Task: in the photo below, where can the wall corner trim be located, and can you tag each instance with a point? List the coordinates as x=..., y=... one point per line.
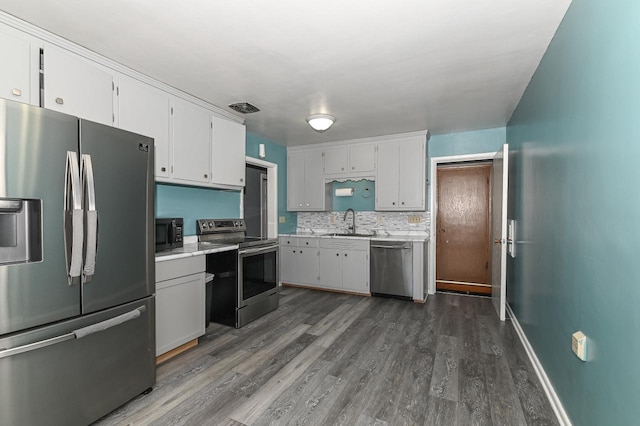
x=556, y=404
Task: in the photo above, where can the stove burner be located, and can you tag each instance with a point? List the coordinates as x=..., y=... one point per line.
x=228, y=231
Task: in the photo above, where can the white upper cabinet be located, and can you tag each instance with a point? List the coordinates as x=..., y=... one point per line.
x=336, y=160
x=228, y=150
x=144, y=109
x=306, y=189
x=191, y=142
x=349, y=161
x=76, y=86
x=15, y=71
x=401, y=174
x=362, y=158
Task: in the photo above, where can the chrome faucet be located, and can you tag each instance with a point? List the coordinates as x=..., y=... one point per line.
x=352, y=228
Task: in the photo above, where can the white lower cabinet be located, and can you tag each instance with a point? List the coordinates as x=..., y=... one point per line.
x=180, y=302
x=299, y=260
x=344, y=264
x=331, y=263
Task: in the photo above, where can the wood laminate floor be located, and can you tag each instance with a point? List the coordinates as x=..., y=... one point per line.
x=332, y=359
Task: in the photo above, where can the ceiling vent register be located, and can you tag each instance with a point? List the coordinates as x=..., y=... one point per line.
x=244, y=107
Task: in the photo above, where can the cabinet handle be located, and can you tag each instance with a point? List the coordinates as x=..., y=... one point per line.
x=307, y=242
x=307, y=204
x=300, y=205
x=337, y=254
x=342, y=168
x=352, y=167
x=16, y=92
x=294, y=251
x=345, y=255
x=164, y=169
x=403, y=203
x=59, y=101
x=206, y=176
x=394, y=203
x=241, y=180
x=300, y=251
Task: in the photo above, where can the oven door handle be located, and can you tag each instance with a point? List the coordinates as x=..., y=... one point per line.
x=257, y=250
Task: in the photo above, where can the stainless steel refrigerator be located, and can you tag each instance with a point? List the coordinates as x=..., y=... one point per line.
x=77, y=277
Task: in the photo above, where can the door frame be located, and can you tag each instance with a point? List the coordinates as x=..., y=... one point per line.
x=433, y=198
x=272, y=195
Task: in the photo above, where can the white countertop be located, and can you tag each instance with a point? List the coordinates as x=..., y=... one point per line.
x=417, y=236
x=194, y=249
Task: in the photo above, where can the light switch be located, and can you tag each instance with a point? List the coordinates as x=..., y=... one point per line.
x=282, y=219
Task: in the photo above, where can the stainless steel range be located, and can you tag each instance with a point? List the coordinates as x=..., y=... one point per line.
x=255, y=291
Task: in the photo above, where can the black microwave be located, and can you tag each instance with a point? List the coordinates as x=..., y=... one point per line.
x=169, y=232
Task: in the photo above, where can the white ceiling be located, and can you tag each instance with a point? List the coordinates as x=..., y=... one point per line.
x=379, y=66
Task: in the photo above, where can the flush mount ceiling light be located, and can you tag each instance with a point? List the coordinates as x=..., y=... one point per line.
x=320, y=122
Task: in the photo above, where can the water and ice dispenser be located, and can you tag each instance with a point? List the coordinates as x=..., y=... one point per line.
x=20, y=230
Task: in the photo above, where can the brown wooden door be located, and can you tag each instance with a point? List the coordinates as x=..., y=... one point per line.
x=463, y=234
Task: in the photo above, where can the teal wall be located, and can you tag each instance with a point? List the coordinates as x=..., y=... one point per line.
x=474, y=142
x=193, y=203
x=363, y=200
x=275, y=153
x=463, y=143
x=575, y=144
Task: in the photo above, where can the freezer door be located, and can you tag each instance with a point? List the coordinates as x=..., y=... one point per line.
x=117, y=169
x=34, y=148
x=53, y=376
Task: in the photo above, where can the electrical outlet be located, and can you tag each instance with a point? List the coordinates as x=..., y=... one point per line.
x=579, y=345
x=379, y=219
x=332, y=218
x=282, y=219
x=414, y=218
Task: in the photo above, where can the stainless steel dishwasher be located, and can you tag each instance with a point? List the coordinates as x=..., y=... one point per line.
x=391, y=268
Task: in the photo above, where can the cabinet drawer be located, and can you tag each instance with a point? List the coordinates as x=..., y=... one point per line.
x=308, y=242
x=288, y=241
x=170, y=269
x=344, y=243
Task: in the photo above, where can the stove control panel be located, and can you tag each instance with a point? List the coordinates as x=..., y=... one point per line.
x=218, y=226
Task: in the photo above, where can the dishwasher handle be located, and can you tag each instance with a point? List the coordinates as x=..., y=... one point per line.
x=403, y=247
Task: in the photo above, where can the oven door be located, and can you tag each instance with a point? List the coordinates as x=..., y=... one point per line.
x=257, y=274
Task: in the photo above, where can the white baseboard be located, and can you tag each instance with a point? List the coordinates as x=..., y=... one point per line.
x=556, y=404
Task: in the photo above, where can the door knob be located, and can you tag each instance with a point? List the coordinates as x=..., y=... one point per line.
x=498, y=241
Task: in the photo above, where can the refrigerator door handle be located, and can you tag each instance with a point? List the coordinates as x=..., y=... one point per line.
x=73, y=219
x=76, y=334
x=89, y=189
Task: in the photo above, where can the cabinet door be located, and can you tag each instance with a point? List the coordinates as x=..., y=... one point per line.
x=307, y=265
x=331, y=268
x=15, y=69
x=336, y=161
x=228, y=147
x=287, y=264
x=295, y=180
x=76, y=86
x=412, y=184
x=191, y=142
x=314, y=180
x=362, y=159
x=144, y=109
x=180, y=305
x=387, y=176
x=355, y=271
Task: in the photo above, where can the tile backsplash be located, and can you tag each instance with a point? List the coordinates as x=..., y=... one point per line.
x=366, y=221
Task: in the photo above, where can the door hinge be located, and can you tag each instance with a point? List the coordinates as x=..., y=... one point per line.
x=113, y=86
x=171, y=110
x=113, y=118
x=486, y=265
x=118, y=91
